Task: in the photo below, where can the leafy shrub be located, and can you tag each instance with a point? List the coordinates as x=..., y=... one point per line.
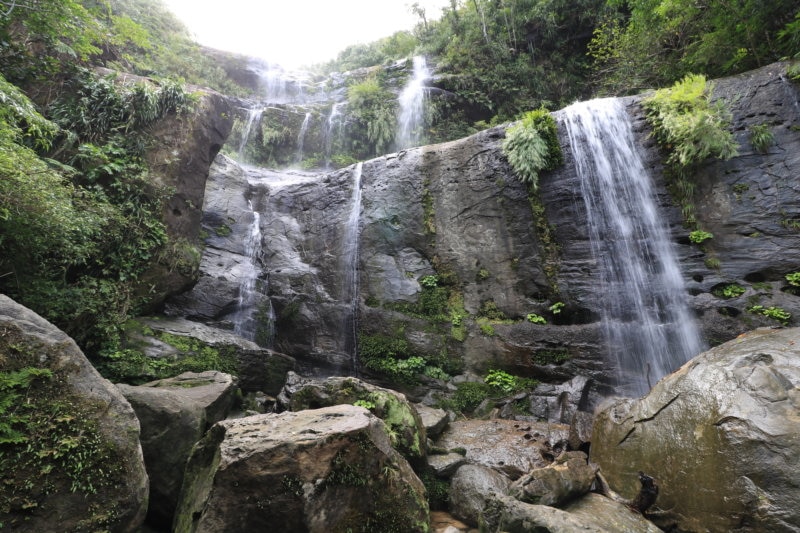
x=531, y=146
x=686, y=123
x=469, y=394
x=761, y=138
x=501, y=381
x=732, y=290
x=429, y=281
x=793, y=279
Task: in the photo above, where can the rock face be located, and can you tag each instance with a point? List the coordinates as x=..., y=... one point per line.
x=569, y=477
x=721, y=436
x=74, y=439
x=186, y=145
x=258, y=369
x=323, y=470
x=455, y=211
x=174, y=414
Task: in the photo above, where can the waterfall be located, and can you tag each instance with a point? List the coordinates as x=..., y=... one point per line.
x=253, y=117
x=649, y=327
x=329, y=131
x=301, y=138
x=246, y=320
x=411, y=116
x=349, y=269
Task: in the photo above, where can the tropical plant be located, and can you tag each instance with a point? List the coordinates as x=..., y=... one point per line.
x=531, y=146
x=761, y=137
x=699, y=236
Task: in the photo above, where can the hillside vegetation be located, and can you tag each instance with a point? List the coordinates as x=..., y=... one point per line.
x=79, y=219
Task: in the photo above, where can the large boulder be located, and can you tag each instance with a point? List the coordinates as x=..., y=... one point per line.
x=70, y=457
x=323, y=470
x=569, y=477
x=174, y=414
x=471, y=488
x=404, y=425
x=721, y=436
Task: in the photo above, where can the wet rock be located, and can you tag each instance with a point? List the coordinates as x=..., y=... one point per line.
x=471, y=487
x=514, y=448
x=445, y=465
x=174, y=414
x=89, y=423
x=405, y=427
x=720, y=436
x=569, y=477
x=318, y=470
x=580, y=430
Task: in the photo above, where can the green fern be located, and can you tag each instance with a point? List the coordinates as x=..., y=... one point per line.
x=531, y=146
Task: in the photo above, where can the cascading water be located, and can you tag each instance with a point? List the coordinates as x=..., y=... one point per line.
x=333, y=121
x=649, y=327
x=411, y=116
x=253, y=117
x=349, y=269
x=245, y=323
x=301, y=138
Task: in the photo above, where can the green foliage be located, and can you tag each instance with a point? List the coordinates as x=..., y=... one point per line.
x=489, y=310
x=556, y=308
x=366, y=404
x=50, y=442
x=372, y=108
x=531, y=146
x=761, y=137
x=699, y=236
x=793, y=278
x=468, y=395
x=645, y=43
x=732, y=290
x=392, y=356
x=775, y=313
x=397, y=46
x=550, y=357
x=687, y=124
x=535, y=319
x=486, y=328
x=430, y=281
x=501, y=382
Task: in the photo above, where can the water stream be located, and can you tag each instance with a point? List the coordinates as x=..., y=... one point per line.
x=349, y=269
x=245, y=319
x=411, y=115
x=334, y=120
x=253, y=118
x=649, y=327
x=301, y=138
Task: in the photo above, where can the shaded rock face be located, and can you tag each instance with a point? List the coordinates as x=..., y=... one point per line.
x=721, y=437
x=45, y=487
x=470, y=489
x=174, y=414
x=567, y=478
x=456, y=211
x=323, y=470
x=258, y=369
x=185, y=146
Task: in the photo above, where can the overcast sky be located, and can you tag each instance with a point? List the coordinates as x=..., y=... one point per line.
x=296, y=32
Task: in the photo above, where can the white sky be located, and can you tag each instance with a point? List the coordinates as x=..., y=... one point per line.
x=296, y=32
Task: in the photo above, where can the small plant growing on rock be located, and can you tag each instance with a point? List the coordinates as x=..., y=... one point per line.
x=732, y=290
x=501, y=381
x=793, y=279
x=699, y=236
x=535, y=319
x=775, y=313
x=531, y=146
x=556, y=307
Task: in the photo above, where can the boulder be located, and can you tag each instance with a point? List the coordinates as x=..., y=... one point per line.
x=592, y=513
x=322, y=470
x=406, y=431
x=434, y=420
x=569, y=477
x=514, y=448
x=71, y=458
x=445, y=465
x=470, y=489
x=721, y=436
x=174, y=414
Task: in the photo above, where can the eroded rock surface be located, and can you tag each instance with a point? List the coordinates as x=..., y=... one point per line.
x=721, y=436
